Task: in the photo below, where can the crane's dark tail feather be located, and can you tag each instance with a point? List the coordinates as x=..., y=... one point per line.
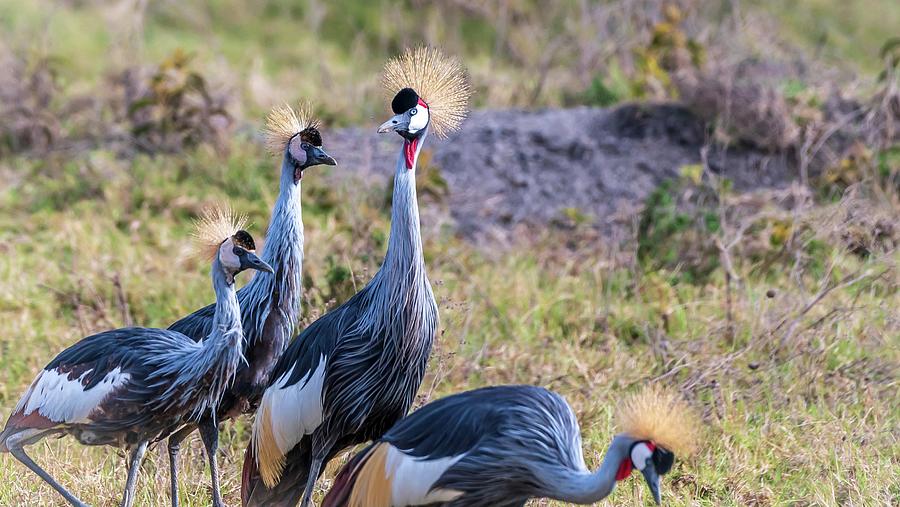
x=288, y=491
x=249, y=474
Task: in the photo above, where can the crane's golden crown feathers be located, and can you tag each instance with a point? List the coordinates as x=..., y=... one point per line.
x=438, y=79
x=662, y=417
x=284, y=122
x=214, y=225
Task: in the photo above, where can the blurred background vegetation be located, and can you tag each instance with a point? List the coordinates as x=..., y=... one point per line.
x=774, y=312
x=520, y=53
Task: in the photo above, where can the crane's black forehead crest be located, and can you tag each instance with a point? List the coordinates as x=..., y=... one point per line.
x=662, y=460
x=311, y=135
x=405, y=100
x=244, y=240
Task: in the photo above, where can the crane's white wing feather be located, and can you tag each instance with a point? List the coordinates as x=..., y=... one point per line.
x=63, y=400
x=412, y=478
x=296, y=410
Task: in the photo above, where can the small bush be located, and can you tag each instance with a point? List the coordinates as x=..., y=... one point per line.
x=168, y=109
x=174, y=108
x=29, y=116
x=675, y=231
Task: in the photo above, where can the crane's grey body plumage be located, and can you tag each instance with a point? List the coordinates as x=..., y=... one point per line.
x=509, y=436
x=270, y=303
x=130, y=387
x=508, y=444
x=270, y=311
x=375, y=348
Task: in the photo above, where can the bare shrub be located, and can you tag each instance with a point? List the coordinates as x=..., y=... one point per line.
x=28, y=90
x=173, y=107
x=860, y=222
x=163, y=109
x=883, y=110
x=741, y=109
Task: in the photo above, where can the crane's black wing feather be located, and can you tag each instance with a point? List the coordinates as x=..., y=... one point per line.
x=97, y=355
x=454, y=425
x=319, y=338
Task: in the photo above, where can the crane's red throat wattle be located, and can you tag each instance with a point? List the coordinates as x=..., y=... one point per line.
x=409, y=149
x=624, y=469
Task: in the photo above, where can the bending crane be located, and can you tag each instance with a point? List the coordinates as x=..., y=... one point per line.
x=501, y=446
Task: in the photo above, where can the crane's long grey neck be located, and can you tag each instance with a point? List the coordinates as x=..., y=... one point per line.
x=405, y=242
x=283, y=250
x=400, y=290
x=587, y=488
x=197, y=375
x=228, y=313
x=223, y=350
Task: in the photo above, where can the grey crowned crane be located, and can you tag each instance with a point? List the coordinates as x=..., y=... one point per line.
x=133, y=386
x=501, y=446
x=270, y=302
x=353, y=373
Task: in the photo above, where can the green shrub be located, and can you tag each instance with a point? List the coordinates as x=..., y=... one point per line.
x=675, y=232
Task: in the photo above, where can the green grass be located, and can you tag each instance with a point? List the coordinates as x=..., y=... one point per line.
x=852, y=31
x=798, y=408
x=812, y=422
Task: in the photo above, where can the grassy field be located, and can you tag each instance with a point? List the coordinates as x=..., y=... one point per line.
x=799, y=407
x=791, y=360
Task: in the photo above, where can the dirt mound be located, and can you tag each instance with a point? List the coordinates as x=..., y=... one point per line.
x=510, y=168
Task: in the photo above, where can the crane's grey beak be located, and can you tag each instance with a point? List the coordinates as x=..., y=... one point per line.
x=400, y=122
x=317, y=156
x=652, y=479
x=251, y=261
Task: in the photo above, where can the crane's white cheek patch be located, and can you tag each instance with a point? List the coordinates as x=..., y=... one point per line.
x=61, y=400
x=418, y=121
x=639, y=456
x=412, y=478
x=227, y=256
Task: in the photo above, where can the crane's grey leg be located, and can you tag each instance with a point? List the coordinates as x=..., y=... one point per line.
x=15, y=445
x=174, y=446
x=318, y=457
x=134, y=466
x=209, y=433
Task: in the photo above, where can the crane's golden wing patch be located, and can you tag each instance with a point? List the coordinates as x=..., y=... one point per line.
x=372, y=487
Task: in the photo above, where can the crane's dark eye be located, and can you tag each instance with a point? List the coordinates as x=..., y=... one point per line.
x=239, y=251
x=412, y=112
x=304, y=146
